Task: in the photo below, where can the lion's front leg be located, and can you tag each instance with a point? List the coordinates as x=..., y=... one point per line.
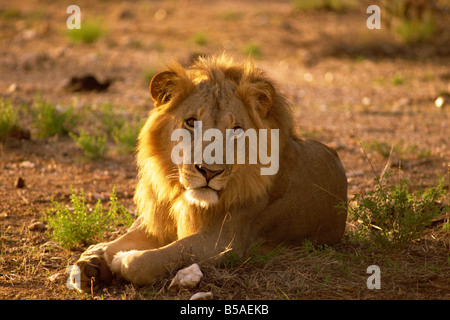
x=146, y=266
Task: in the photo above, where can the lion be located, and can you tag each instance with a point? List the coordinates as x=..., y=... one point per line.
x=198, y=212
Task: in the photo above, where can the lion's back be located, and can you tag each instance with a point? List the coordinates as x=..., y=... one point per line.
x=303, y=199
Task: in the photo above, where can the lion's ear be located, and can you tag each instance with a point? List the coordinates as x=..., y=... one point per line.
x=258, y=93
x=261, y=94
x=161, y=86
x=266, y=97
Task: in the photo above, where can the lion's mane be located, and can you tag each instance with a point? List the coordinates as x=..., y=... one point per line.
x=158, y=187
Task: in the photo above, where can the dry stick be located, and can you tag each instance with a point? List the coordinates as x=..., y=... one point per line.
x=364, y=150
x=388, y=163
x=358, y=182
x=92, y=286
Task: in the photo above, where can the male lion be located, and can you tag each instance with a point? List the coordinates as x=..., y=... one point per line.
x=196, y=212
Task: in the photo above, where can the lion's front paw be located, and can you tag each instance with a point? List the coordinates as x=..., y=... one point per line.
x=121, y=264
x=93, y=269
x=135, y=266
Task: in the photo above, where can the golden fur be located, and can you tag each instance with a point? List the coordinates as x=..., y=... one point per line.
x=189, y=222
x=153, y=158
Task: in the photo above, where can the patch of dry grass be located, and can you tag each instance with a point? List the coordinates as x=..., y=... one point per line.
x=304, y=273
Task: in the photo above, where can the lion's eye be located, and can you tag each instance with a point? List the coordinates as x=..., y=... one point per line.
x=190, y=122
x=237, y=132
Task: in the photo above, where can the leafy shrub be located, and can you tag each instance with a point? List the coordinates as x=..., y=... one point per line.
x=126, y=137
x=89, y=32
x=200, y=38
x=416, y=31
x=415, y=21
x=50, y=120
x=109, y=119
x=391, y=216
x=81, y=225
x=94, y=146
x=253, y=50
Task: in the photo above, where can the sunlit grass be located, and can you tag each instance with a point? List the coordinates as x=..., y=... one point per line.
x=91, y=30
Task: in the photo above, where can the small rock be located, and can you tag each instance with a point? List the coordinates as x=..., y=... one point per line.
x=27, y=164
x=202, y=296
x=37, y=226
x=54, y=277
x=187, y=278
x=12, y=87
x=439, y=102
x=28, y=34
x=366, y=101
x=20, y=183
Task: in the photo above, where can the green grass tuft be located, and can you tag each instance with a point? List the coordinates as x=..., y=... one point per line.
x=50, y=120
x=8, y=118
x=94, y=146
x=91, y=30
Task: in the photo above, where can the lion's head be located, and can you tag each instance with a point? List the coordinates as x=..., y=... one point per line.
x=217, y=93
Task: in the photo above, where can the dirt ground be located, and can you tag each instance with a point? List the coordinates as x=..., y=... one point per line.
x=348, y=85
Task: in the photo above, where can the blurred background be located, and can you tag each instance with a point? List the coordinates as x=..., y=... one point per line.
x=128, y=41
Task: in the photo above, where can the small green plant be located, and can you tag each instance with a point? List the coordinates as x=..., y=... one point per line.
x=50, y=120
x=446, y=227
x=230, y=15
x=398, y=79
x=253, y=50
x=8, y=118
x=109, y=119
x=398, y=149
x=414, y=21
x=328, y=5
x=416, y=31
x=81, y=225
x=391, y=216
x=11, y=14
x=200, y=38
x=90, y=31
x=383, y=148
x=254, y=256
x=126, y=137
x=94, y=146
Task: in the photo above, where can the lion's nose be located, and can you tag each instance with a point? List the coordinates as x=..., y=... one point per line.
x=207, y=173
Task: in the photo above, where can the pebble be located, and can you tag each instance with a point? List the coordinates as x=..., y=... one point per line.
x=439, y=102
x=54, y=276
x=12, y=87
x=37, y=226
x=27, y=164
x=202, y=296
